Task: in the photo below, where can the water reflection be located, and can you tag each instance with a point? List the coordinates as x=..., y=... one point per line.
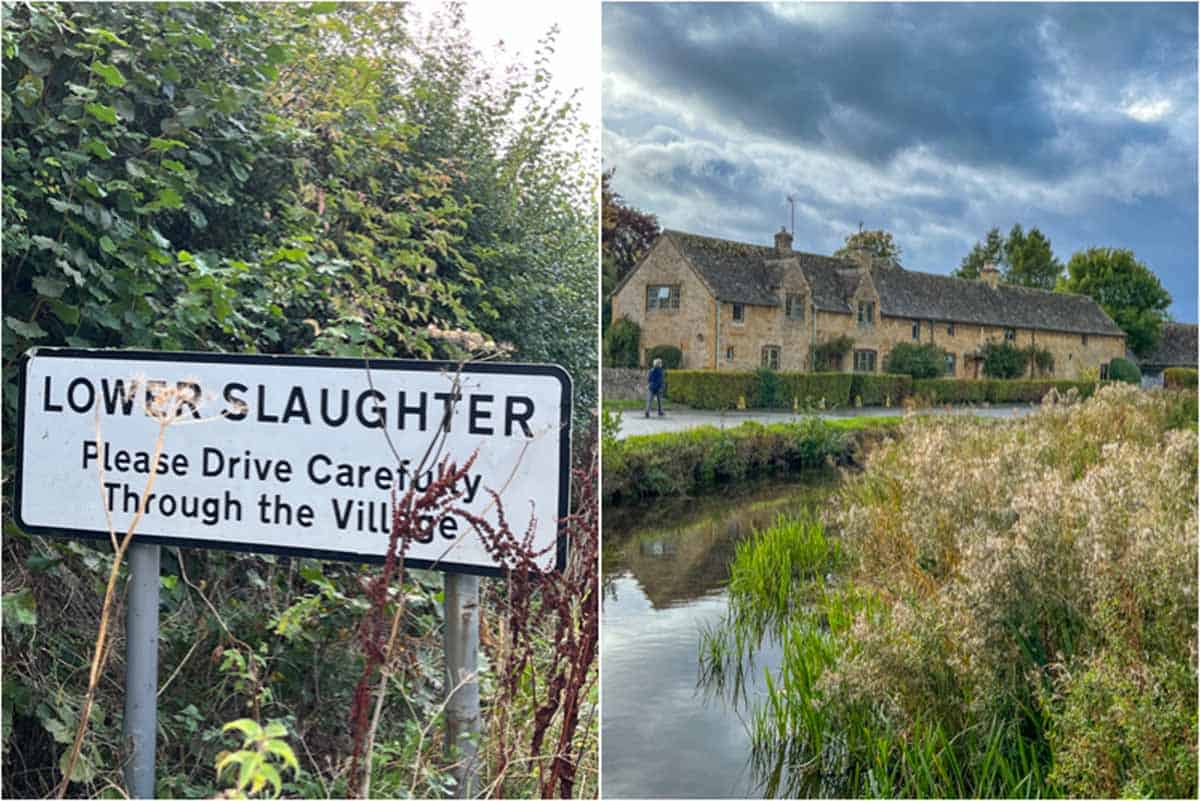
x=665, y=567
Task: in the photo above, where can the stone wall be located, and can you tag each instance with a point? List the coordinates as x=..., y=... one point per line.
x=623, y=383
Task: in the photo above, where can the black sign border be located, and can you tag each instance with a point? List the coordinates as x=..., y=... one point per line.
x=337, y=362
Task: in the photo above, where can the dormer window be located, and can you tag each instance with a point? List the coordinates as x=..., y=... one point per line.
x=794, y=306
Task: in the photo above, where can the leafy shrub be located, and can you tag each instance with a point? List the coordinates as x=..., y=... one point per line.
x=971, y=390
x=1124, y=370
x=686, y=462
x=1180, y=378
x=721, y=389
x=829, y=355
x=1041, y=359
x=879, y=389
x=918, y=361
x=622, y=343
x=769, y=391
x=672, y=357
x=1003, y=360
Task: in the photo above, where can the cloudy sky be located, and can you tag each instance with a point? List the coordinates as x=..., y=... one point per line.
x=935, y=122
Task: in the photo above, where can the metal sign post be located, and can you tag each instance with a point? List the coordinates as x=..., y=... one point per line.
x=462, y=679
x=141, y=669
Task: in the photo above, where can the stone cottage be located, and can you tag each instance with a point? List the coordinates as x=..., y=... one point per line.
x=734, y=306
x=1176, y=348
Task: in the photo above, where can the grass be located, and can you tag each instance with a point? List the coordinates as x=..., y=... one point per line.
x=638, y=405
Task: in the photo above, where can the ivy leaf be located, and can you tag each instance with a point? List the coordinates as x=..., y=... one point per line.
x=20, y=608
x=37, y=63
x=111, y=75
x=23, y=329
x=168, y=198
x=160, y=144
x=49, y=287
x=67, y=313
x=102, y=112
x=99, y=149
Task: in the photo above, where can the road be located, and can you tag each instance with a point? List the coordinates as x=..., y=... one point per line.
x=633, y=423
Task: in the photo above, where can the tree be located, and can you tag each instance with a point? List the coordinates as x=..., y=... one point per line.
x=1125, y=288
x=878, y=244
x=990, y=251
x=1029, y=260
x=1023, y=259
x=625, y=235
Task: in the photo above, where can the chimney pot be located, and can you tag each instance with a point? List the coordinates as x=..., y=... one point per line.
x=783, y=241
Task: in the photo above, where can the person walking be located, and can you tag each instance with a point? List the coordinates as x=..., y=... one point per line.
x=655, y=383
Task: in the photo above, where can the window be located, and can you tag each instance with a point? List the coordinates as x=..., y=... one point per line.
x=949, y=329
x=1010, y=335
x=864, y=361
x=770, y=356
x=916, y=329
x=1084, y=339
x=1104, y=371
x=729, y=353
x=795, y=306
x=739, y=313
x=950, y=365
x=866, y=314
x=662, y=296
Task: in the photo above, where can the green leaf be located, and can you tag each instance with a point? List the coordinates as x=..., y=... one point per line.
x=99, y=149
x=29, y=90
x=158, y=143
x=277, y=54
x=275, y=729
x=37, y=63
x=284, y=751
x=246, y=726
x=49, y=287
x=268, y=772
x=83, y=770
x=102, y=112
x=107, y=245
x=249, y=768
x=23, y=329
x=104, y=35
x=169, y=582
x=111, y=75
x=67, y=313
x=168, y=198
x=202, y=40
x=20, y=608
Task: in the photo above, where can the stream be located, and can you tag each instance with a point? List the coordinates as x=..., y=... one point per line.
x=665, y=566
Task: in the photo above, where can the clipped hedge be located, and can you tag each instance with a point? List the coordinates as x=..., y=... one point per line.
x=721, y=389
x=1180, y=378
x=880, y=390
x=1124, y=370
x=696, y=460
x=991, y=390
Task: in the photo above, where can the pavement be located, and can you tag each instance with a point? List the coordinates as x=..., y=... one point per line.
x=633, y=423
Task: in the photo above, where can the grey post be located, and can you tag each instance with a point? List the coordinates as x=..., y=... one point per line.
x=141, y=669
x=462, y=684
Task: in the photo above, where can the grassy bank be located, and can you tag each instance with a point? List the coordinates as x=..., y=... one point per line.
x=703, y=459
x=986, y=610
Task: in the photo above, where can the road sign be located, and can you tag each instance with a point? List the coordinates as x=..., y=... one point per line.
x=290, y=454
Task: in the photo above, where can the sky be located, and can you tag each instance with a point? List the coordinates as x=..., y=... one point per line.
x=936, y=122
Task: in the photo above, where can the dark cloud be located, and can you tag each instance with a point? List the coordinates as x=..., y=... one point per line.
x=936, y=121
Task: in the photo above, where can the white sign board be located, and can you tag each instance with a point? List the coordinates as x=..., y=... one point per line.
x=288, y=454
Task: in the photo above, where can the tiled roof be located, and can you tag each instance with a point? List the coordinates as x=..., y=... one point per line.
x=1177, y=348
x=750, y=274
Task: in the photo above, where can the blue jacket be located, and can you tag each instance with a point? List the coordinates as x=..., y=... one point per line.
x=656, y=379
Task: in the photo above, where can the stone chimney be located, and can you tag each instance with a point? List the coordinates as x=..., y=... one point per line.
x=783, y=241
x=989, y=275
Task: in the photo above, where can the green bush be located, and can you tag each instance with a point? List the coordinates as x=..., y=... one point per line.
x=1002, y=360
x=672, y=357
x=1124, y=370
x=880, y=390
x=721, y=389
x=687, y=462
x=621, y=344
x=918, y=361
x=828, y=355
x=1179, y=378
x=969, y=390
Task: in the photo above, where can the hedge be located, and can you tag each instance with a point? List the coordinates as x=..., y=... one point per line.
x=721, y=389
x=671, y=356
x=688, y=462
x=1180, y=378
x=880, y=390
x=957, y=390
x=1124, y=370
